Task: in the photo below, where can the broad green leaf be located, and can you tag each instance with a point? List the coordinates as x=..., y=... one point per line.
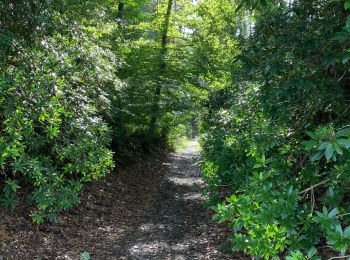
x=333, y=213
x=323, y=146
x=344, y=132
x=325, y=211
x=317, y=156
x=85, y=256
x=341, y=36
x=311, y=252
x=258, y=165
x=330, y=192
x=312, y=135
x=339, y=229
x=344, y=142
x=345, y=57
x=310, y=144
x=337, y=148
x=346, y=232
x=329, y=151
x=347, y=25
x=319, y=214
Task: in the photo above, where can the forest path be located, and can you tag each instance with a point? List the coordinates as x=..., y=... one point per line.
x=151, y=210
x=180, y=227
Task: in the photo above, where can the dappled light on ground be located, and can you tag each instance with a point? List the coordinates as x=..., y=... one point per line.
x=177, y=230
x=152, y=210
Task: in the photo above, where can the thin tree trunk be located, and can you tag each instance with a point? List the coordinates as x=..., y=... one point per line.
x=163, y=51
x=120, y=13
x=118, y=138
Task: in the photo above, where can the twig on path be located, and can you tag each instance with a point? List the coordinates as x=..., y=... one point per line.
x=339, y=257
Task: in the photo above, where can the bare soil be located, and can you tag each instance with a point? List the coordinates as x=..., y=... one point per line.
x=152, y=210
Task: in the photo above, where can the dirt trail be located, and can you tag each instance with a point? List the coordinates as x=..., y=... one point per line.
x=180, y=228
x=152, y=210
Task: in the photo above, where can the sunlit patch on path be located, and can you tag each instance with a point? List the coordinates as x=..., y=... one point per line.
x=151, y=210
x=180, y=228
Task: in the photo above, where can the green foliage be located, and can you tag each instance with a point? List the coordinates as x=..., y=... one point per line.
x=85, y=256
x=336, y=237
x=275, y=137
x=77, y=83
x=328, y=143
x=253, y=4
x=8, y=199
x=53, y=92
x=270, y=79
x=150, y=66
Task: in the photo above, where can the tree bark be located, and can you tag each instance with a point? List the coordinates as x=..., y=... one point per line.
x=120, y=13
x=157, y=93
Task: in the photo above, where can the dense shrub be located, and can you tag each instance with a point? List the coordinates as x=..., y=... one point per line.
x=54, y=90
x=276, y=140
x=78, y=80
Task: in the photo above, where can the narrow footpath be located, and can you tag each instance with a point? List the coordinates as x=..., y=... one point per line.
x=152, y=210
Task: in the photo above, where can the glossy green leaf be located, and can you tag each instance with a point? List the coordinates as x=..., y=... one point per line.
x=311, y=252
x=337, y=148
x=329, y=151
x=317, y=156
x=333, y=213
x=344, y=143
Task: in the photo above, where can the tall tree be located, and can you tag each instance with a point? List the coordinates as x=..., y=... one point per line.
x=162, y=66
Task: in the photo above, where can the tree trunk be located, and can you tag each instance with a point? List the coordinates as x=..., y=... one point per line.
x=163, y=51
x=120, y=13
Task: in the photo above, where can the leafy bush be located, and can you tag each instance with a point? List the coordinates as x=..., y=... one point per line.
x=276, y=140
x=53, y=138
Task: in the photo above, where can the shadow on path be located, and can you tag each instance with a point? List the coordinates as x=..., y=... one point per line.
x=151, y=210
x=180, y=228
